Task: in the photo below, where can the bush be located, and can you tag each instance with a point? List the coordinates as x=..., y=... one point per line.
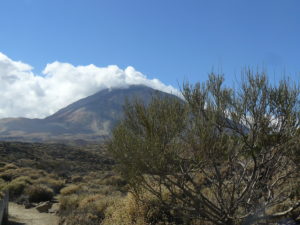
x=81, y=210
x=76, y=179
x=150, y=210
x=17, y=179
x=7, y=176
x=2, y=184
x=69, y=203
x=124, y=211
x=90, y=199
x=55, y=185
x=25, y=179
x=114, y=180
x=79, y=217
x=13, y=172
x=72, y=189
x=16, y=188
x=10, y=166
x=39, y=193
x=243, y=141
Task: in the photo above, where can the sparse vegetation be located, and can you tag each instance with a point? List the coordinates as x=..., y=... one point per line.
x=29, y=185
x=220, y=156
x=86, y=201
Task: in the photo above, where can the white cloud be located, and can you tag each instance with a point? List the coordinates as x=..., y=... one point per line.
x=25, y=94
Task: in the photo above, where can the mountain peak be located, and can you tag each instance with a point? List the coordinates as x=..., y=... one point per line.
x=89, y=119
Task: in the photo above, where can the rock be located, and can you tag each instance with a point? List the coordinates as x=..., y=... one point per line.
x=54, y=208
x=29, y=205
x=44, y=207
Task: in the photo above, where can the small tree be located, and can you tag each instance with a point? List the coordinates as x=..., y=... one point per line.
x=223, y=155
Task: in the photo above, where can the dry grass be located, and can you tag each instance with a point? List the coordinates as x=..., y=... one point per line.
x=55, y=184
x=71, y=189
x=82, y=204
x=29, y=184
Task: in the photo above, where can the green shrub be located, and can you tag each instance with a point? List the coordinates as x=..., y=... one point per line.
x=39, y=193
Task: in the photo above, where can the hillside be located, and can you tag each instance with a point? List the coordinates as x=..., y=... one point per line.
x=88, y=120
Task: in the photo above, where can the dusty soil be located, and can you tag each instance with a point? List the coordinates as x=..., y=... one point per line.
x=18, y=215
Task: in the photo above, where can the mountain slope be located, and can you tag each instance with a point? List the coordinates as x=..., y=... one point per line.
x=89, y=119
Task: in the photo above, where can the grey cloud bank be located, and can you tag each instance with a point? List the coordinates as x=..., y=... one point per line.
x=25, y=94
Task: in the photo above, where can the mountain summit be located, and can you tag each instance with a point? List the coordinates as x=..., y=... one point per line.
x=90, y=119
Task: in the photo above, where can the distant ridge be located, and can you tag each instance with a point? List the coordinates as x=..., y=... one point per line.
x=90, y=119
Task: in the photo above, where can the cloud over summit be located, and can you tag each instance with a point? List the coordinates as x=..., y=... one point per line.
x=25, y=94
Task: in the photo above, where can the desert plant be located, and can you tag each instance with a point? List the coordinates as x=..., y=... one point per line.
x=39, y=193
x=241, y=142
x=55, y=184
x=69, y=203
x=71, y=189
x=83, y=209
x=129, y=210
x=16, y=187
x=114, y=180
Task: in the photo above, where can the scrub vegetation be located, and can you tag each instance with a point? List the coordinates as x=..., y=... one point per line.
x=219, y=156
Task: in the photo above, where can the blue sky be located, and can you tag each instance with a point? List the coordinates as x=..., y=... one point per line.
x=171, y=40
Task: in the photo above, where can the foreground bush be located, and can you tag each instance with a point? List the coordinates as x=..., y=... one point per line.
x=83, y=209
x=39, y=193
x=130, y=211
x=106, y=210
x=86, y=202
x=244, y=142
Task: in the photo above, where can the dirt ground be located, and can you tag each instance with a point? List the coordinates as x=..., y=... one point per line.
x=18, y=215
